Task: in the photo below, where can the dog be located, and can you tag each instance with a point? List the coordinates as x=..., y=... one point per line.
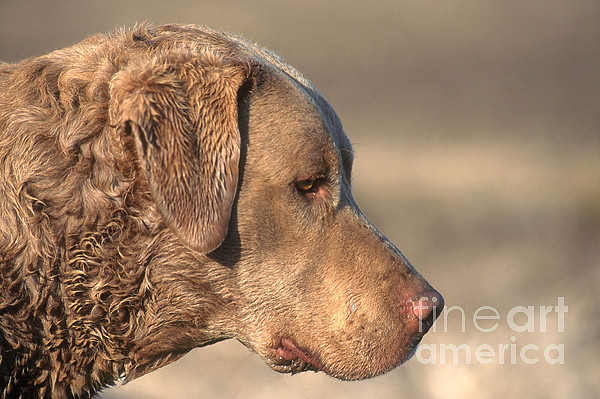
x=166, y=188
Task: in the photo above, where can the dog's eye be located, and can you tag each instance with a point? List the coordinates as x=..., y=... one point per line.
x=313, y=187
x=305, y=185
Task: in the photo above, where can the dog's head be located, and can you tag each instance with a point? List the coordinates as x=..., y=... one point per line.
x=251, y=170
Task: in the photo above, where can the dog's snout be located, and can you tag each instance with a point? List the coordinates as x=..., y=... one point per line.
x=427, y=306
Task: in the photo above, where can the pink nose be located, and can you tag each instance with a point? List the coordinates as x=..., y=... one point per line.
x=427, y=306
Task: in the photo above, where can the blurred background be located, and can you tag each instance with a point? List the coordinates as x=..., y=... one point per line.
x=477, y=131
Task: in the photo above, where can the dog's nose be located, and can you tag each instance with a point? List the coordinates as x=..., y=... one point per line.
x=427, y=306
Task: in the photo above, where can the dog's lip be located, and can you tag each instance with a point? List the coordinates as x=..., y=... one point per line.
x=288, y=350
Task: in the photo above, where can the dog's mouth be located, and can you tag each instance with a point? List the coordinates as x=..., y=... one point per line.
x=290, y=358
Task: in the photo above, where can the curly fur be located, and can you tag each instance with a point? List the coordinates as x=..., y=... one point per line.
x=128, y=238
x=77, y=226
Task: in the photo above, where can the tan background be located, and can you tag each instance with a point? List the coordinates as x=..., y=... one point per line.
x=477, y=131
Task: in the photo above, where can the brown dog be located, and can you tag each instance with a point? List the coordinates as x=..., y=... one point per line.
x=163, y=189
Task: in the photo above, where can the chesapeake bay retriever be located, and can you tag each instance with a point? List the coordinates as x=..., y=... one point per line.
x=166, y=188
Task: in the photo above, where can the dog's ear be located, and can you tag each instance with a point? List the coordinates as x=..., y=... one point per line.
x=183, y=114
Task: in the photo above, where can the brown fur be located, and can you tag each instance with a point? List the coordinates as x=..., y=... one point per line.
x=155, y=196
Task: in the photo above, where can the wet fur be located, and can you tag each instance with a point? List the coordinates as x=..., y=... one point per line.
x=127, y=238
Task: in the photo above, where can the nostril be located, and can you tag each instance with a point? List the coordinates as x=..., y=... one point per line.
x=427, y=306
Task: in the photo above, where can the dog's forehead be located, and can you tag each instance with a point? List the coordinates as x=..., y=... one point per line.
x=292, y=127
x=304, y=101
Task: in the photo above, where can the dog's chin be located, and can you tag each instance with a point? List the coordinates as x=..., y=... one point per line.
x=288, y=357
